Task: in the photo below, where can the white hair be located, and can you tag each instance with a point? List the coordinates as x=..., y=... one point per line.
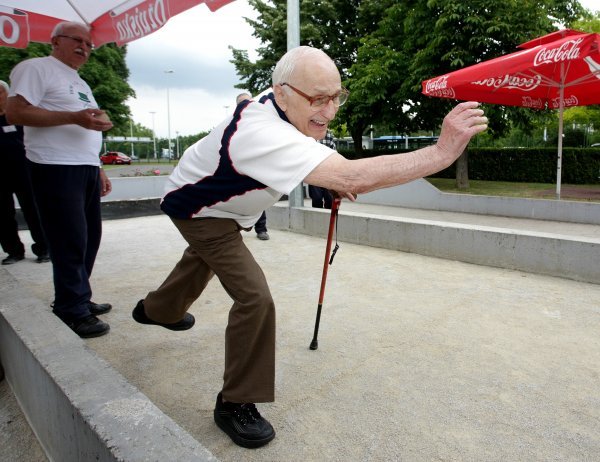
x=4, y=85
x=242, y=97
x=60, y=27
x=287, y=64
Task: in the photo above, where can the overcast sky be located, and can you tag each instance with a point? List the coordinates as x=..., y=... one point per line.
x=194, y=45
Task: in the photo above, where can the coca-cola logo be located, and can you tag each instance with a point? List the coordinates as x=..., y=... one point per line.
x=439, y=87
x=14, y=28
x=511, y=82
x=440, y=83
x=566, y=52
x=535, y=103
x=569, y=101
x=145, y=18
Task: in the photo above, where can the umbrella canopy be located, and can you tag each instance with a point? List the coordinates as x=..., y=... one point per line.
x=119, y=21
x=555, y=71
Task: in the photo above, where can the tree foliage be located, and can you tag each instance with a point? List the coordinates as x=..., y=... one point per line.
x=329, y=24
x=105, y=72
x=386, y=48
x=434, y=37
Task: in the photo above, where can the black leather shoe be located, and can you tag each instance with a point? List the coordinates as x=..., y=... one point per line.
x=89, y=327
x=12, y=259
x=43, y=258
x=99, y=308
x=140, y=316
x=243, y=423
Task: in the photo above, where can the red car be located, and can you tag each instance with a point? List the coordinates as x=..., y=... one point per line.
x=113, y=157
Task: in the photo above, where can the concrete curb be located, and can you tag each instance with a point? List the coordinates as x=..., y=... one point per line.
x=78, y=406
x=542, y=253
x=131, y=208
x=420, y=194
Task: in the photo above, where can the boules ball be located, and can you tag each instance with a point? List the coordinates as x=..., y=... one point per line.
x=102, y=116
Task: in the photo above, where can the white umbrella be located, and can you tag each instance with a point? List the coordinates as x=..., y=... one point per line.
x=118, y=21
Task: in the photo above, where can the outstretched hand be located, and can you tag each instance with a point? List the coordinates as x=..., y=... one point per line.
x=459, y=126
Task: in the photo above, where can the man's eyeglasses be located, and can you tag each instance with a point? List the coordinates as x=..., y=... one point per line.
x=319, y=101
x=81, y=41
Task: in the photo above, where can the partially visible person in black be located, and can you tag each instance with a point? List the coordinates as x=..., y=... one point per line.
x=321, y=197
x=15, y=180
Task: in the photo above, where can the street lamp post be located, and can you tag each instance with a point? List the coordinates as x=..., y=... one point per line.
x=177, y=141
x=131, y=136
x=296, y=197
x=169, y=115
x=153, y=133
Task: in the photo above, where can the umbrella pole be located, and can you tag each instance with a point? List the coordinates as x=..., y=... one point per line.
x=561, y=107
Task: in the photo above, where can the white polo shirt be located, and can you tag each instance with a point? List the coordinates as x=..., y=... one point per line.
x=50, y=84
x=243, y=166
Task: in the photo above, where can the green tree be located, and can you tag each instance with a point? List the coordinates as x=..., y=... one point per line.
x=382, y=67
x=329, y=24
x=105, y=72
x=488, y=29
x=422, y=39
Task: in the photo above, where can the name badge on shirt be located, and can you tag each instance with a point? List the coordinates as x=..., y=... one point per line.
x=9, y=128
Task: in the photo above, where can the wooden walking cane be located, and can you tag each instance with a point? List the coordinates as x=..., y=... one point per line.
x=334, y=212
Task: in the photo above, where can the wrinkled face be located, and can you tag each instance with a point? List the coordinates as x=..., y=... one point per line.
x=314, y=77
x=72, y=46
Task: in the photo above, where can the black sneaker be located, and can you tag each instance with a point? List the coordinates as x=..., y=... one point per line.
x=89, y=327
x=243, y=423
x=139, y=315
x=12, y=259
x=95, y=308
x=43, y=258
x=263, y=236
x=99, y=308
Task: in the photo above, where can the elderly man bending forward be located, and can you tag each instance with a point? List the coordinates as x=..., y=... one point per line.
x=224, y=182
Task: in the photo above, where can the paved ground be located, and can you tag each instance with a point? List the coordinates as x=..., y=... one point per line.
x=419, y=358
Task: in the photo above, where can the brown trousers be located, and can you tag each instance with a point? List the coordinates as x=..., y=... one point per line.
x=216, y=247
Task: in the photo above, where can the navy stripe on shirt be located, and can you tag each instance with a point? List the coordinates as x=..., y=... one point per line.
x=224, y=184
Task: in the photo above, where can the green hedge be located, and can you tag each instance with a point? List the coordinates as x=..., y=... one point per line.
x=531, y=165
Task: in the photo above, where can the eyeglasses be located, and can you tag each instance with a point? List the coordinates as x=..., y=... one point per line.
x=81, y=41
x=319, y=101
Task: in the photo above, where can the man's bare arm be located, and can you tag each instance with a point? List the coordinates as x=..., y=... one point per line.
x=364, y=175
x=20, y=112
